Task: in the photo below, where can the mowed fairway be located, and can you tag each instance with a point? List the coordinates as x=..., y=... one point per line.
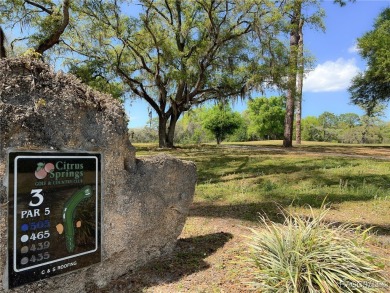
x=236, y=182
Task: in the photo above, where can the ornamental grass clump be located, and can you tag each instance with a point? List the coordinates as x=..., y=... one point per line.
x=310, y=255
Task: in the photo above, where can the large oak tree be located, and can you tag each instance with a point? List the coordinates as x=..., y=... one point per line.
x=179, y=54
x=173, y=54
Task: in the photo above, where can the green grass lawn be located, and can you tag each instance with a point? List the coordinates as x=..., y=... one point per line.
x=241, y=181
x=236, y=175
x=236, y=182
x=262, y=177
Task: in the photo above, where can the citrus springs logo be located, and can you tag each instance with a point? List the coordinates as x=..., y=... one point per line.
x=43, y=169
x=60, y=170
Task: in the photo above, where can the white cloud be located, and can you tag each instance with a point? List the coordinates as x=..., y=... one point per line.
x=331, y=76
x=353, y=49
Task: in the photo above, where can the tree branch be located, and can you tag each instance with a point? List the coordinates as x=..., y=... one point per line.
x=43, y=8
x=141, y=92
x=170, y=21
x=132, y=48
x=146, y=22
x=170, y=11
x=54, y=38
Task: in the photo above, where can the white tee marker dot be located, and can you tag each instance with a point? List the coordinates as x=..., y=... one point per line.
x=24, y=238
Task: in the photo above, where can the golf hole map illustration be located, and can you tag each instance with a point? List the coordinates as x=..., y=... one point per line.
x=54, y=214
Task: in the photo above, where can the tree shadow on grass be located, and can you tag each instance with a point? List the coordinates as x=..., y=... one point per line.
x=246, y=212
x=378, y=230
x=218, y=167
x=187, y=258
x=272, y=210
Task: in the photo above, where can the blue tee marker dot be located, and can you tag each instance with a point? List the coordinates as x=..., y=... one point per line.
x=24, y=227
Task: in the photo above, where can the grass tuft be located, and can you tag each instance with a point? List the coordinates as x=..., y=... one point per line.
x=310, y=255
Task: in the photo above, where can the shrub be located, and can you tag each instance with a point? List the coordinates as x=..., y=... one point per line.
x=309, y=255
x=221, y=121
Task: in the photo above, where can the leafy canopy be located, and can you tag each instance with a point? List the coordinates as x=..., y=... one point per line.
x=178, y=54
x=372, y=87
x=93, y=74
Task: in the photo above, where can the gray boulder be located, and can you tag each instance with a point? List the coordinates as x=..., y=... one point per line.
x=146, y=200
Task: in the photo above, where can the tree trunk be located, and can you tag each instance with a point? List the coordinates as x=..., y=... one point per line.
x=162, y=131
x=364, y=138
x=298, y=105
x=167, y=135
x=291, y=91
x=171, y=130
x=289, y=118
x=292, y=77
x=364, y=133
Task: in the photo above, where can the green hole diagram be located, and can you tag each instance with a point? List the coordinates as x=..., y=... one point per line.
x=69, y=214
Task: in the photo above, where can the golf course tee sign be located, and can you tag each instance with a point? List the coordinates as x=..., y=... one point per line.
x=54, y=214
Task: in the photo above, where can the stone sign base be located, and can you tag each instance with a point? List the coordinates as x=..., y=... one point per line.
x=145, y=201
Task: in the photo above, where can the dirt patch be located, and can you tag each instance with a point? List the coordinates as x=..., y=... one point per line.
x=206, y=259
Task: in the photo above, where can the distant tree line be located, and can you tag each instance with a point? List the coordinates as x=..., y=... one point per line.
x=263, y=120
x=345, y=128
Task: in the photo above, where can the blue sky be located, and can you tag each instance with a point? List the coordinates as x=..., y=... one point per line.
x=337, y=61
